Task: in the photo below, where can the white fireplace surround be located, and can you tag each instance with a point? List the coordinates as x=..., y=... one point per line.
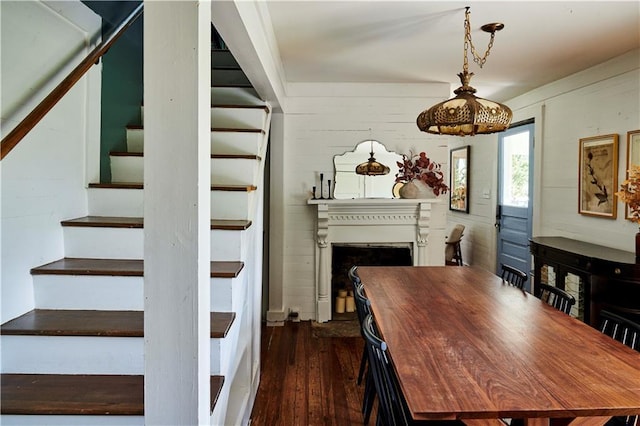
x=419, y=223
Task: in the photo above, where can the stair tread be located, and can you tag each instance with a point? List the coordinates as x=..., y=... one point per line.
x=213, y=156
x=238, y=106
x=213, y=129
x=59, y=322
x=137, y=222
x=238, y=85
x=122, y=267
x=136, y=185
x=64, y=394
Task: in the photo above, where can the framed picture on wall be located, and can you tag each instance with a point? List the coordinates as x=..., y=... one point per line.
x=598, y=176
x=633, y=158
x=459, y=174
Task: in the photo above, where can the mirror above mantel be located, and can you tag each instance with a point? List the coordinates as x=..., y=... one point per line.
x=349, y=185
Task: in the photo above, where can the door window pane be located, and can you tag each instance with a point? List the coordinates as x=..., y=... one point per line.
x=515, y=163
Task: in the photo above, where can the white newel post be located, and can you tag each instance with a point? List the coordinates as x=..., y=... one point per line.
x=177, y=218
x=418, y=224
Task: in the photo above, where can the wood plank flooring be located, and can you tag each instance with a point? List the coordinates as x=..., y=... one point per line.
x=308, y=380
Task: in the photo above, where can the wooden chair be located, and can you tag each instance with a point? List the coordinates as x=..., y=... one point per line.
x=363, y=308
x=452, y=251
x=513, y=276
x=392, y=408
x=620, y=328
x=627, y=332
x=353, y=275
x=556, y=297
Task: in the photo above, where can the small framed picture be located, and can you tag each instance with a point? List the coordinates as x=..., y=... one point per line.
x=459, y=174
x=633, y=158
x=598, y=176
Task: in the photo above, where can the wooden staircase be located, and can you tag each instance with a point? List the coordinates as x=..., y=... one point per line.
x=78, y=357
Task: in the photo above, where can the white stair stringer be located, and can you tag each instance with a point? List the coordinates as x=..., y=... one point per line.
x=243, y=384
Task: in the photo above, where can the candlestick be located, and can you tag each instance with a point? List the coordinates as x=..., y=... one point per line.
x=321, y=185
x=329, y=184
x=314, y=192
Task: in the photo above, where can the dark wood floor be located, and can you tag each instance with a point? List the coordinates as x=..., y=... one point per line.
x=308, y=380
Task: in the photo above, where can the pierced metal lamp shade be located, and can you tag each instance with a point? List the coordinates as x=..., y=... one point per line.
x=372, y=168
x=465, y=114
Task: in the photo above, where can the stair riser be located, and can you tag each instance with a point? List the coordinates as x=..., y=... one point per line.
x=238, y=118
x=128, y=243
x=99, y=292
x=89, y=292
x=222, y=142
x=57, y=420
x=236, y=143
x=129, y=202
x=223, y=58
x=234, y=118
x=229, y=78
x=235, y=96
x=224, y=171
x=85, y=355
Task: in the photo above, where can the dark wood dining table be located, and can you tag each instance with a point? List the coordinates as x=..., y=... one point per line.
x=465, y=345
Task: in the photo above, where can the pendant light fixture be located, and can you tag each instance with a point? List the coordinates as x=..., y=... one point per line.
x=372, y=167
x=467, y=114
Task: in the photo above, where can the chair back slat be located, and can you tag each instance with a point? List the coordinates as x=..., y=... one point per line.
x=513, y=276
x=363, y=305
x=621, y=329
x=390, y=403
x=628, y=333
x=353, y=274
x=556, y=297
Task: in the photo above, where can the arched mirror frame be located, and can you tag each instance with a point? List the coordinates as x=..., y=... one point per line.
x=349, y=185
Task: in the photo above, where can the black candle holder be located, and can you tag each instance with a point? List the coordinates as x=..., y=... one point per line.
x=314, y=193
x=321, y=185
x=329, y=185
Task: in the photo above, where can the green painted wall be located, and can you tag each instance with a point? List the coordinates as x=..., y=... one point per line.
x=122, y=97
x=122, y=86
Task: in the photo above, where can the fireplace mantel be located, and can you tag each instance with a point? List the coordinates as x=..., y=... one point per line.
x=419, y=223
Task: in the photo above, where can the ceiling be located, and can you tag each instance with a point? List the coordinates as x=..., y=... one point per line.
x=422, y=41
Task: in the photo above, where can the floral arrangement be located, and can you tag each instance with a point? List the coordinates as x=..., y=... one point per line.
x=630, y=193
x=422, y=168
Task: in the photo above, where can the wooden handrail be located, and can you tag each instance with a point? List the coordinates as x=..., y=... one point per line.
x=34, y=117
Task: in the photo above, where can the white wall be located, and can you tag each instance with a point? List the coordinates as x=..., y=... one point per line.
x=43, y=178
x=321, y=121
x=602, y=100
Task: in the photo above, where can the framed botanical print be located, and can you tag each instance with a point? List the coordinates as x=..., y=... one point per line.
x=633, y=158
x=598, y=176
x=459, y=174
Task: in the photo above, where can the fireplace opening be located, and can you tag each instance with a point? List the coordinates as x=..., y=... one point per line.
x=345, y=256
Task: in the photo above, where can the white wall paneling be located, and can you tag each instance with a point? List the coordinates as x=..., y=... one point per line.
x=43, y=178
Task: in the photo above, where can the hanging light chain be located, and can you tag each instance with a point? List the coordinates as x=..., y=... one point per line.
x=468, y=42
